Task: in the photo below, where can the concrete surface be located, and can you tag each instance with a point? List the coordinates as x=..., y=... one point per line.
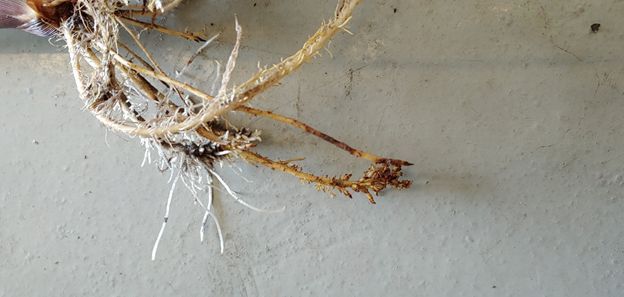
x=511, y=111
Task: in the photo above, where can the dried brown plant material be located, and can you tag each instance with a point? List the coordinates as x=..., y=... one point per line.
x=127, y=90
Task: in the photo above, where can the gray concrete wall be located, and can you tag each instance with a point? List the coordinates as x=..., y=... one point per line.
x=511, y=111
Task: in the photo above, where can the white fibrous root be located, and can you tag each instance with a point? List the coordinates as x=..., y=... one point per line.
x=182, y=127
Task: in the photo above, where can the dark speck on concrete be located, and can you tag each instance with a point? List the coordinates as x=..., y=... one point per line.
x=595, y=27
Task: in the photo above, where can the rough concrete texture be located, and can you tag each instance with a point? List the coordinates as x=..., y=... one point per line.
x=511, y=111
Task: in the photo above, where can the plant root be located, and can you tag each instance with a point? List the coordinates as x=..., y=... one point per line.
x=129, y=92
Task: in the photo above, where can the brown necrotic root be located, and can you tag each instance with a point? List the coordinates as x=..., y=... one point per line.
x=182, y=126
